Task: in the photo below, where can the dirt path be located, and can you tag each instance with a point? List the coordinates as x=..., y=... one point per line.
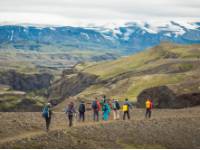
x=34, y=133
x=167, y=129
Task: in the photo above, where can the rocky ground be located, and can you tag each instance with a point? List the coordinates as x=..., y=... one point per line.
x=168, y=128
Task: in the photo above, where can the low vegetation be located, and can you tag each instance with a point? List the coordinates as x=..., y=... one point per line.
x=176, y=66
x=166, y=64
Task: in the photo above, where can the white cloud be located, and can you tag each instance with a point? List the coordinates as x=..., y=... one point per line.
x=76, y=12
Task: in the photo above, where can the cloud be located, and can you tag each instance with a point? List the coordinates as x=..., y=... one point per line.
x=72, y=12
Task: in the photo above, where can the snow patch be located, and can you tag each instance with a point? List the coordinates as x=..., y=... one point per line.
x=116, y=31
x=85, y=35
x=12, y=33
x=127, y=34
x=108, y=37
x=149, y=30
x=191, y=26
x=52, y=28
x=177, y=30
x=168, y=34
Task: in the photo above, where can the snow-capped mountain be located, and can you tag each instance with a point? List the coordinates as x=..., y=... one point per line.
x=128, y=38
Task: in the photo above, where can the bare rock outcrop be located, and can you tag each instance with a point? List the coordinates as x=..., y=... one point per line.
x=164, y=97
x=25, y=82
x=70, y=85
x=161, y=96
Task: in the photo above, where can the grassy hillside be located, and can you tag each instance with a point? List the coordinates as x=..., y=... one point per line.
x=12, y=100
x=166, y=64
x=151, y=57
x=26, y=61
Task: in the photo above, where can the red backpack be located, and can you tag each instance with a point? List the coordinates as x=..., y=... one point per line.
x=151, y=104
x=98, y=105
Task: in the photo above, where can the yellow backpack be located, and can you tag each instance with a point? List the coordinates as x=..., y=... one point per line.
x=148, y=104
x=125, y=108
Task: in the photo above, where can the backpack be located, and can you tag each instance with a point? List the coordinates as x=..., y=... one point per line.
x=82, y=108
x=45, y=112
x=117, y=105
x=94, y=105
x=105, y=107
x=148, y=104
x=151, y=105
x=98, y=105
x=125, y=107
x=70, y=110
x=114, y=105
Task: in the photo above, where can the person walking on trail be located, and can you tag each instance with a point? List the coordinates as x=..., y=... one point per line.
x=116, y=108
x=96, y=108
x=110, y=102
x=106, y=111
x=70, y=111
x=82, y=111
x=103, y=99
x=149, y=106
x=46, y=113
x=126, y=109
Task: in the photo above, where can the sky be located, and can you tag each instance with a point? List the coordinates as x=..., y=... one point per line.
x=99, y=12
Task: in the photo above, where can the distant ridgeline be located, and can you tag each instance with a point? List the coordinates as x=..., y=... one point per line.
x=127, y=39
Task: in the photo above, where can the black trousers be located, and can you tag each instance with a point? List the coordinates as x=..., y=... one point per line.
x=126, y=113
x=148, y=113
x=48, y=121
x=96, y=115
x=82, y=116
x=70, y=117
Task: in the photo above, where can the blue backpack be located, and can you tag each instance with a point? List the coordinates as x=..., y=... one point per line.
x=45, y=112
x=82, y=108
x=94, y=105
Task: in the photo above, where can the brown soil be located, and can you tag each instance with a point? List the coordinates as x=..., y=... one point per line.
x=167, y=128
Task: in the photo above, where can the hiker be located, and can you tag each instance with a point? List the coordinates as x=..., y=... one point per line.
x=149, y=106
x=110, y=102
x=46, y=113
x=106, y=111
x=126, y=109
x=82, y=111
x=96, y=108
x=102, y=101
x=116, y=108
x=70, y=111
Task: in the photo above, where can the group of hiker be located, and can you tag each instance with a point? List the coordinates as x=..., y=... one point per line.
x=104, y=105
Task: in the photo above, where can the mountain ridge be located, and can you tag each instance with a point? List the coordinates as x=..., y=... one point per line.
x=128, y=38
